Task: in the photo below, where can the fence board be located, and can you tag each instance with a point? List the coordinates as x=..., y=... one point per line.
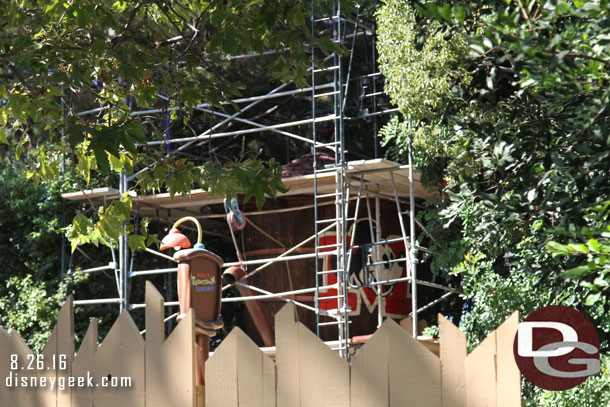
x=156, y=386
x=269, y=382
x=65, y=347
x=481, y=374
x=5, y=366
x=221, y=375
x=287, y=358
x=453, y=354
x=324, y=375
x=121, y=354
x=414, y=371
x=369, y=372
x=508, y=376
x=22, y=396
x=83, y=363
x=250, y=381
x=178, y=359
x=392, y=369
x=47, y=396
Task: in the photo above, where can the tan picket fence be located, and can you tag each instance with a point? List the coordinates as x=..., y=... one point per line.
x=156, y=372
x=391, y=369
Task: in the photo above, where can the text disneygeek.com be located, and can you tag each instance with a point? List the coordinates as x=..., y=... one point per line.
x=23, y=374
x=15, y=380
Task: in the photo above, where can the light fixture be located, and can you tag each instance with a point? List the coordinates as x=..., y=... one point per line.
x=177, y=240
x=198, y=278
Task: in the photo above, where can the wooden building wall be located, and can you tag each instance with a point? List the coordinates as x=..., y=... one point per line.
x=291, y=228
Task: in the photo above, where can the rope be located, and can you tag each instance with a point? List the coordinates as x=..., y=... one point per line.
x=240, y=259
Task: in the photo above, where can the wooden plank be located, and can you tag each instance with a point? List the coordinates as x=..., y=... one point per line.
x=304, y=185
x=287, y=358
x=155, y=314
x=23, y=396
x=249, y=371
x=508, y=376
x=178, y=361
x=481, y=374
x=221, y=375
x=5, y=366
x=269, y=380
x=411, y=386
x=65, y=349
x=83, y=364
x=91, y=194
x=298, y=185
x=325, y=380
x=368, y=165
x=369, y=372
x=407, y=325
x=200, y=396
x=155, y=336
x=121, y=355
x=453, y=354
x=47, y=395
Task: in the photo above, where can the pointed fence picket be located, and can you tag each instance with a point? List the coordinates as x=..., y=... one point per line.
x=161, y=372
x=391, y=369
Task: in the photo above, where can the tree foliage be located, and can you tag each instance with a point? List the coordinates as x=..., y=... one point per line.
x=518, y=130
x=110, y=58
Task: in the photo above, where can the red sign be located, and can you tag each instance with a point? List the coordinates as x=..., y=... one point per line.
x=395, y=297
x=557, y=348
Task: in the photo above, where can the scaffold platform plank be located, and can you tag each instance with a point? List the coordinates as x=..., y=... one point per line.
x=362, y=170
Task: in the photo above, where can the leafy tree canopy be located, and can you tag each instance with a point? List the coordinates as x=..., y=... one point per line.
x=111, y=58
x=511, y=112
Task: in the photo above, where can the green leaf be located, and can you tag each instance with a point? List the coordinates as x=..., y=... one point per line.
x=592, y=299
x=51, y=6
x=445, y=12
x=577, y=272
x=326, y=44
x=557, y=248
x=137, y=242
x=593, y=245
x=459, y=13
x=115, y=162
x=578, y=247
x=477, y=48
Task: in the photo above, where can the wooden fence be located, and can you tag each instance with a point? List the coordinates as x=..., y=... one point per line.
x=391, y=369
x=161, y=372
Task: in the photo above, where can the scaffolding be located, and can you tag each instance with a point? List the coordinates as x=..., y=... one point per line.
x=346, y=185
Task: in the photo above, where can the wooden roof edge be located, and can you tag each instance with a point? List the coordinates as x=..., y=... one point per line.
x=95, y=193
x=379, y=165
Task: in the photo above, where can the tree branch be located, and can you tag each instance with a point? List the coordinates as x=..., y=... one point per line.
x=526, y=16
x=585, y=56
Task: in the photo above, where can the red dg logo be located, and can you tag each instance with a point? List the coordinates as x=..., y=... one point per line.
x=557, y=348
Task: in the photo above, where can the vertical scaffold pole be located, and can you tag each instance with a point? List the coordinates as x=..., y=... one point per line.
x=123, y=253
x=412, y=249
x=341, y=196
x=315, y=166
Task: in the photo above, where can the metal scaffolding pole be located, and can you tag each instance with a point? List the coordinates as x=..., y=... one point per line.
x=204, y=136
x=332, y=95
x=123, y=253
x=412, y=248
